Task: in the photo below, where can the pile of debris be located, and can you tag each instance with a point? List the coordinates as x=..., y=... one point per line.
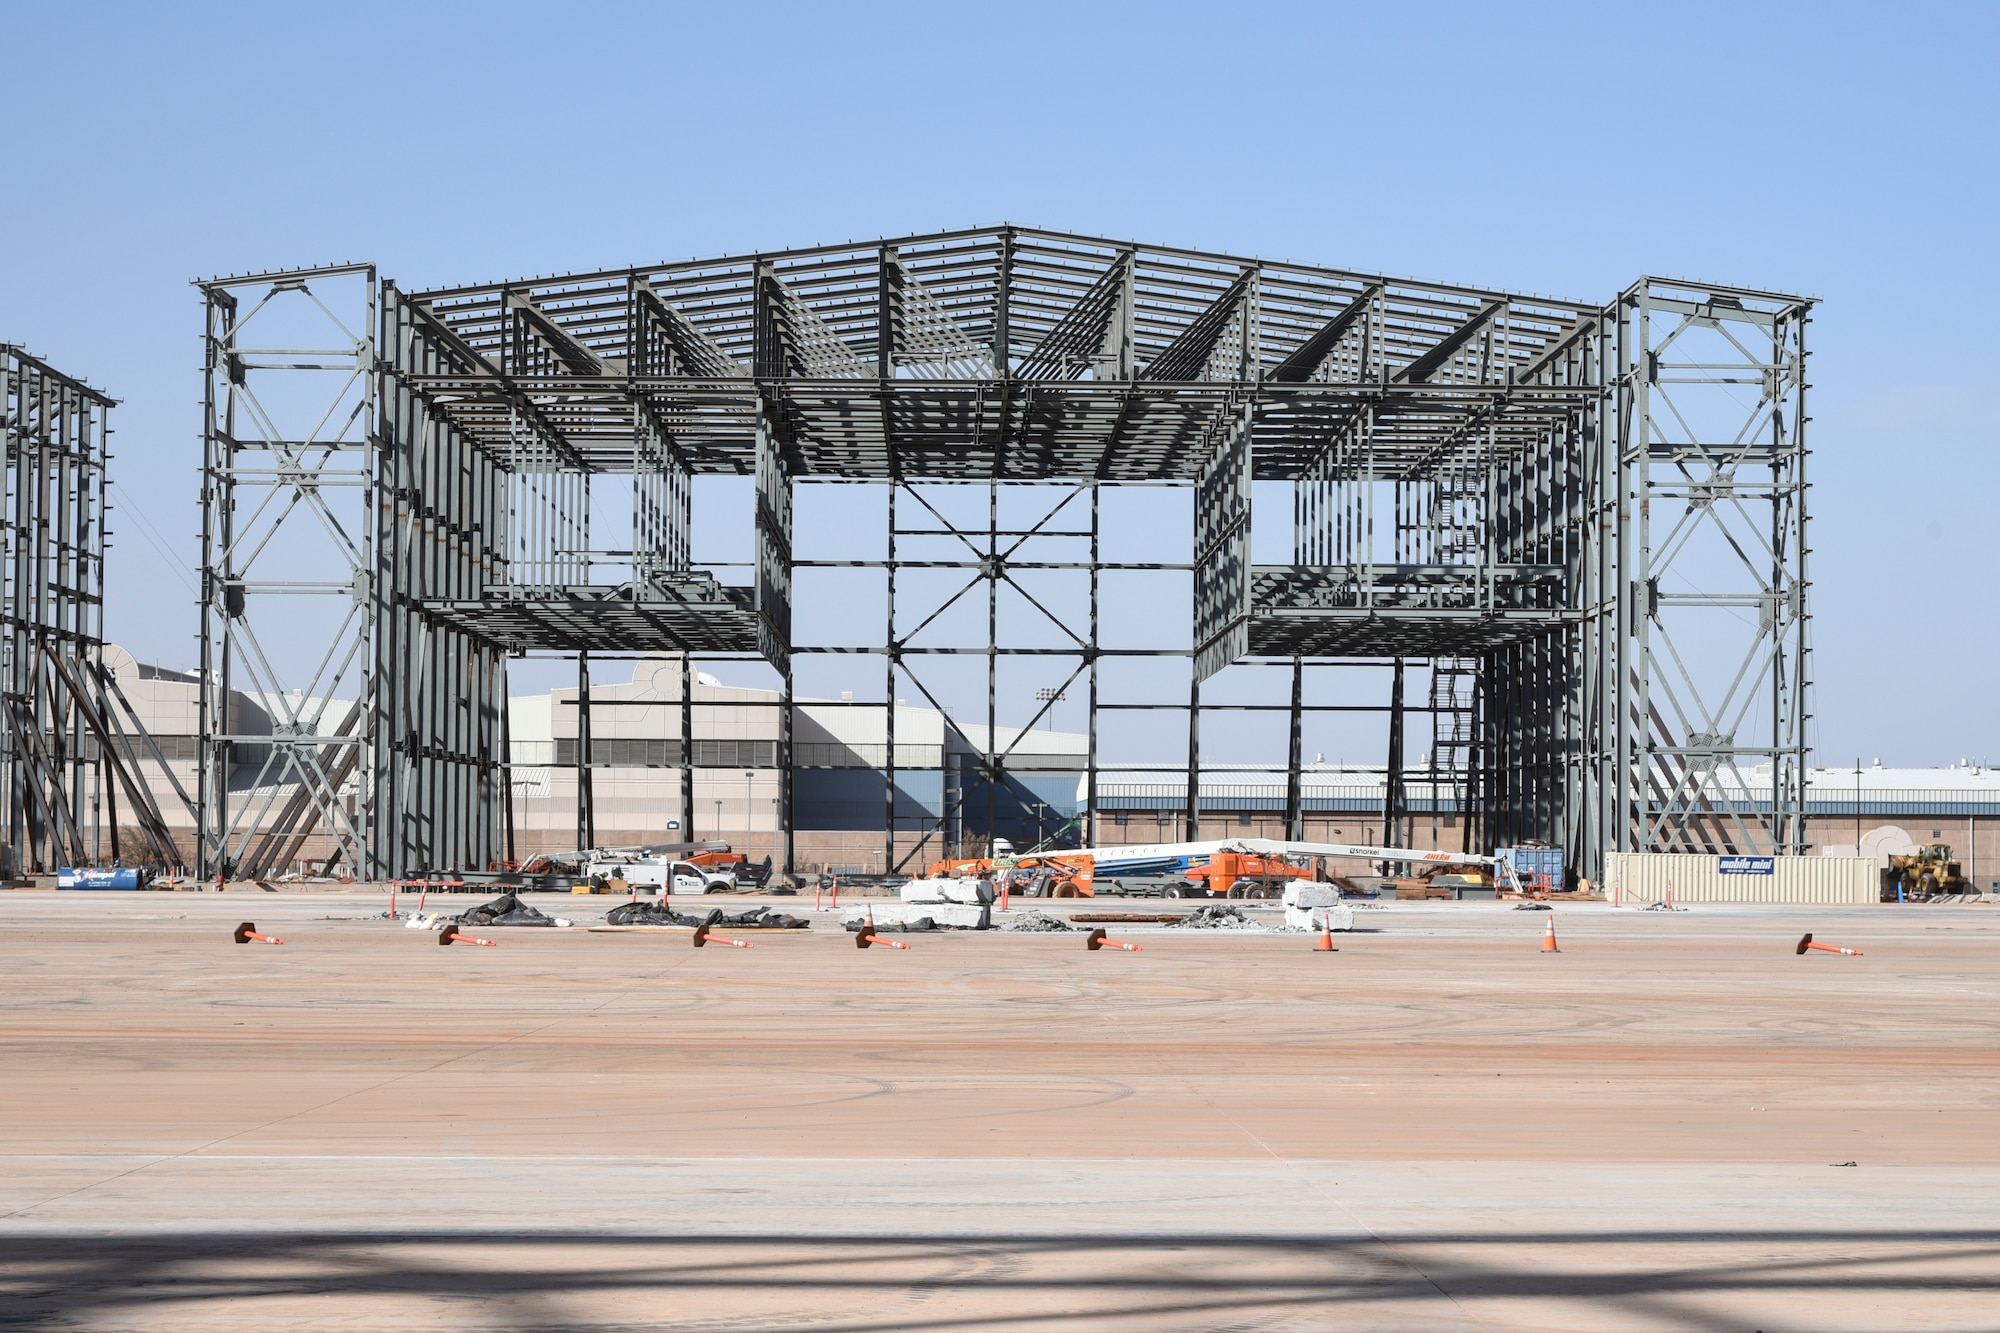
x=1217, y=916
x=857, y=924
x=659, y=914
x=1038, y=922
x=506, y=910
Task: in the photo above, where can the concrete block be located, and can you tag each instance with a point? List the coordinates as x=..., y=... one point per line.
x=1333, y=916
x=973, y=892
x=967, y=916
x=1303, y=893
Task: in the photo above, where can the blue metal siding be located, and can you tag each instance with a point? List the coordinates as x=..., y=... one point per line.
x=850, y=800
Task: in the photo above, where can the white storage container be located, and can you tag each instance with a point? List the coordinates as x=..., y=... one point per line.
x=1639, y=879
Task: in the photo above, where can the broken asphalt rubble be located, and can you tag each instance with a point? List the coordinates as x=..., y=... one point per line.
x=1038, y=921
x=659, y=914
x=1217, y=916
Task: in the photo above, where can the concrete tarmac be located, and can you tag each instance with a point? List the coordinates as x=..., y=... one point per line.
x=1674, y=1123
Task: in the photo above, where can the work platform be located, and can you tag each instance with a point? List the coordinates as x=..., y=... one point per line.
x=685, y=615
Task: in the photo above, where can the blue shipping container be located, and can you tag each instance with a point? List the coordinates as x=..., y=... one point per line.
x=1538, y=867
x=125, y=878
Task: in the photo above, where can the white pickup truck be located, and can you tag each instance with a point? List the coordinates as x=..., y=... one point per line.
x=658, y=872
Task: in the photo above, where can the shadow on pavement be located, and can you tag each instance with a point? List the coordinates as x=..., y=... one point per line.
x=866, y=1284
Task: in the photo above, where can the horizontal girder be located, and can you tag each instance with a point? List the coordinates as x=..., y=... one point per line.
x=978, y=428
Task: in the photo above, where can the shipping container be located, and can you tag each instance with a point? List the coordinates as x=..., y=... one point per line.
x=1537, y=867
x=127, y=877
x=1639, y=879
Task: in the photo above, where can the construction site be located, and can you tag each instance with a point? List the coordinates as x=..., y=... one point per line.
x=992, y=778
x=1204, y=499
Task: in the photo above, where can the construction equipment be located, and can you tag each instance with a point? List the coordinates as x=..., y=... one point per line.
x=1248, y=874
x=1039, y=875
x=1929, y=872
x=1184, y=859
x=1235, y=867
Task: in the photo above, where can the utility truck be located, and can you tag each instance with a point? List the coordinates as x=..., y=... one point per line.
x=676, y=868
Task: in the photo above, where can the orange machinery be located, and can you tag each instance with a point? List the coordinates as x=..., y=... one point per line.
x=1225, y=870
x=1073, y=871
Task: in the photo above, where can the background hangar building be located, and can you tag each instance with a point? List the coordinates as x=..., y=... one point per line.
x=1579, y=526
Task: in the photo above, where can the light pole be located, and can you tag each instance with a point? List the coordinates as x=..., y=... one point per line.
x=1050, y=694
x=749, y=813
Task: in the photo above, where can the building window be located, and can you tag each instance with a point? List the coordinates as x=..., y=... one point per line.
x=1118, y=819
x=623, y=752
x=1165, y=818
x=1242, y=819
x=735, y=754
x=174, y=749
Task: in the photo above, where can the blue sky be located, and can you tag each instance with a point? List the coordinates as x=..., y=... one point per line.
x=1841, y=151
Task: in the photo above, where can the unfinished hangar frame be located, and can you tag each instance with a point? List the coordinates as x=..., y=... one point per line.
x=72, y=790
x=1587, y=520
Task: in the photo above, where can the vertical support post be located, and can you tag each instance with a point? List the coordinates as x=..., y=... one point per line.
x=1090, y=832
x=774, y=591
x=507, y=755
x=1295, y=819
x=992, y=575
x=586, y=805
x=889, y=658
x=789, y=866
x=687, y=745
x=1194, y=759
x=1393, y=803
x=218, y=507
x=773, y=546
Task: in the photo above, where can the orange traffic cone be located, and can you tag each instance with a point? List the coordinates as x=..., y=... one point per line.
x=1099, y=940
x=248, y=931
x=1549, y=938
x=450, y=935
x=1807, y=943
x=1325, y=944
x=867, y=936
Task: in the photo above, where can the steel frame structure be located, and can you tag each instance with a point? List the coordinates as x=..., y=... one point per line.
x=1480, y=481
x=67, y=758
